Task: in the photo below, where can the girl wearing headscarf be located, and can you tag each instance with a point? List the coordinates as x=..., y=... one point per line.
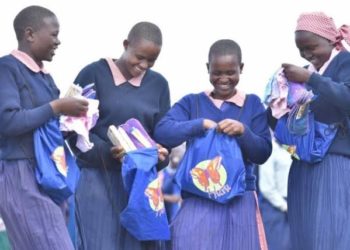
x=319, y=194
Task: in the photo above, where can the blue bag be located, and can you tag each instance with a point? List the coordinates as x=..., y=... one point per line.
x=310, y=147
x=144, y=217
x=56, y=171
x=213, y=167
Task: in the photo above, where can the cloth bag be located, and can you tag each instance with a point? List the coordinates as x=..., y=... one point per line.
x=144, y=217
x=310, y=147
x=57, y=172
x=213, y=167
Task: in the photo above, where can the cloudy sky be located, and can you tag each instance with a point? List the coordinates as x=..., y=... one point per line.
x=91, y=30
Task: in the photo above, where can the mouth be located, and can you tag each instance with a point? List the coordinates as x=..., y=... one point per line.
x=139, y=70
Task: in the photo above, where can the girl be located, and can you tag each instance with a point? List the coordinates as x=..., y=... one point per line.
x=126, y=88
x=319, y=194
x=202, y=223
x=28, y=99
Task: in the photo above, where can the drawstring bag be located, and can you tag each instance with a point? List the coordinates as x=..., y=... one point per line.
x=213, y=167
x=56, y=171
x=144, y=217
x=310, y=147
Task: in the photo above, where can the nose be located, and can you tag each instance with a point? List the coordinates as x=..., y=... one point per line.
x=58, y=41
x=144, y=64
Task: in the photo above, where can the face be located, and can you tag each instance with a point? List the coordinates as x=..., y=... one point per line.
x=224, y=72
x=138, y=57
x=44, y=41
x=313, y=48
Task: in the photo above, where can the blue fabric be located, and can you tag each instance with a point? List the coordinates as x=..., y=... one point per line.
x=311, y=147
x=170, y=187
x=144, y=217
x=100, y=195
x=332, y=104
x=318, y=204
x=24, y=106
x=212, y=167
x=56, y=171
x=184, y=121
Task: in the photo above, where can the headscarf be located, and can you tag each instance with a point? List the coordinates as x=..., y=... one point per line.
x=322, y=25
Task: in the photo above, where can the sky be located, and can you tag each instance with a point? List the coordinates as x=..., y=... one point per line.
x=90, y=30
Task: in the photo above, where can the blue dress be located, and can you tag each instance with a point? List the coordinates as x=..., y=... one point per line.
x=202, y=223
x=100, y=196
x=33, y=220
x=319, y=194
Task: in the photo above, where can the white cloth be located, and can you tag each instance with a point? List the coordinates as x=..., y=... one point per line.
x=82, y=125
x=273, y=177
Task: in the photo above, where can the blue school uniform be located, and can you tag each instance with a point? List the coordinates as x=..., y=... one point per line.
x=100, y=196
x=172, y=188
x=319, y=194
x=33, y=220
x=202, y=223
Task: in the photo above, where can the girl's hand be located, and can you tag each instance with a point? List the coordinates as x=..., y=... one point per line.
x=118, y=152
x=162, y=153
x=208, y=124
x=71, y=106
x=230, y=127
x=296, y=73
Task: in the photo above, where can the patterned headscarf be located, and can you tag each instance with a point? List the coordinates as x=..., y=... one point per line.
x=322, y=25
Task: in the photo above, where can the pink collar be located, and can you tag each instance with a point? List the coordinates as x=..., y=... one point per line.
x=28, y=61
x=118, y=77
x=237, y=99
x=311, y=67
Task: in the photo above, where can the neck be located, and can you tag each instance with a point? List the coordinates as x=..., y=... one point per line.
x=25, y=49
x=215, y=96
x=121, y=65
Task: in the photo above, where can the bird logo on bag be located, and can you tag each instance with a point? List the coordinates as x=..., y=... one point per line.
x=59, y=158
x=155, y=195
x=209, y=175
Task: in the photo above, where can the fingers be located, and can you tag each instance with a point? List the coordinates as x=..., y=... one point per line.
x=117, y=152
x=230, y=127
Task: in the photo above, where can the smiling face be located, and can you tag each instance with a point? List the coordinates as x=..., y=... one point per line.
x=44, y=41
x=224, y=73
x=315, y=49
x=138, y=57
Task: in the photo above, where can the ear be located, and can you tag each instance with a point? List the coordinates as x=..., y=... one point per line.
x=207, y=67
x=125, y=44
x=241, y=67
x=29, y=34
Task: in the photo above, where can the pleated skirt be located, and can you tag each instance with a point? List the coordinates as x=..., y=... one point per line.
x=33, y=221
x=202, y=224
x=319, y=204
x=99, y=200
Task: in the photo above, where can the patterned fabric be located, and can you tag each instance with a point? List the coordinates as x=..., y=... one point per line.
x=324, y=26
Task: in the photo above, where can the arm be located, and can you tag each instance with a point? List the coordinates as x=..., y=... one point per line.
x=100, y=155
x=255, y=142
x=338, y=93
x=14, y=119
x=335, y=89
x=177, y=126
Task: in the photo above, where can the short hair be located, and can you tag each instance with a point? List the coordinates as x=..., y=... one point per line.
x=225, y=47
x=145, y=30
x=31, y=16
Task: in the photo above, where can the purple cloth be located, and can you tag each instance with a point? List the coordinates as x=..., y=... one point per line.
x=204, y=224
x=32, y=219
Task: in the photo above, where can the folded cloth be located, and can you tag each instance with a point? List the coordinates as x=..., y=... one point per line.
x=82, y=125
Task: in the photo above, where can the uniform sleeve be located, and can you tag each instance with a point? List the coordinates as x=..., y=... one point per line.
x=255, y=142
x=14, y=119
x=337, y=91
x=176, y=126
